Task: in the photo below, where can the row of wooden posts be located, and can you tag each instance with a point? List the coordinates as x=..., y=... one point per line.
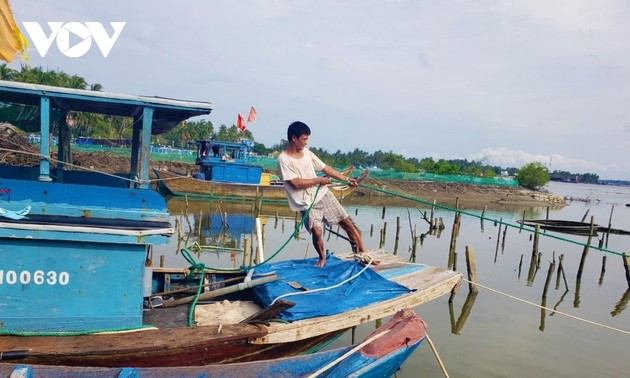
x=436, y=225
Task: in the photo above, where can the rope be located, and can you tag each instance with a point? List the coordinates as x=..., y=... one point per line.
x=348, y=354
x=77, y=166
x=437, y=356
x=74, y=333
x=522, y=227
x=194, y=266
x=549, y=309
x=329, y=287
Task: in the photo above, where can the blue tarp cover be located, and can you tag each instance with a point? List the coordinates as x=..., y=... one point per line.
x=369, y=287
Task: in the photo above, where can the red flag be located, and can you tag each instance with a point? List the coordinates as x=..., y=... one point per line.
x=252, y=115
x=240, y=123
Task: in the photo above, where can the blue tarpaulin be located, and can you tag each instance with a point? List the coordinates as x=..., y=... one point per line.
x=369, y=287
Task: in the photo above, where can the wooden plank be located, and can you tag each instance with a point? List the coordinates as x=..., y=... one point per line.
x=269, y=312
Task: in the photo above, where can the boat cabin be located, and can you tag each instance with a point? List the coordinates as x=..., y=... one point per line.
x=226, y=162
x=74, y=242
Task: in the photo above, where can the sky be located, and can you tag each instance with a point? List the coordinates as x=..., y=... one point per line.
x=500, y=82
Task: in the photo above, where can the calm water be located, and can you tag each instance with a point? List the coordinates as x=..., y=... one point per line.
x=490, y=335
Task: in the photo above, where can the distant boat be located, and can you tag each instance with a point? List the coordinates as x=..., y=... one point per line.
x=571, y=227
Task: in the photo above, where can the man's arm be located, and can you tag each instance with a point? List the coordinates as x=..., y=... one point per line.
x=302, y=183
x=332, y=172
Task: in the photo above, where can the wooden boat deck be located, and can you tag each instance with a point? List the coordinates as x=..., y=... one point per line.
x=429, y=282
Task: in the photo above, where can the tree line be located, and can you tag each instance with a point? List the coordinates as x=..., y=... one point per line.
x=115, y=127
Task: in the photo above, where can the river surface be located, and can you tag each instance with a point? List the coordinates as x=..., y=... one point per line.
x=582, y=331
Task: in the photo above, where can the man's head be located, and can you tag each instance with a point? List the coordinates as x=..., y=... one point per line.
x=297, y=129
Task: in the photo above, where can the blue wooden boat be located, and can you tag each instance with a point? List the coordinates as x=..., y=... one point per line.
x=75, y=245
x=380, y=355
x=74, y=242
x=225, y=171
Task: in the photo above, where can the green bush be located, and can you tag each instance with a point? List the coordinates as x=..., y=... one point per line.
x=533, y=176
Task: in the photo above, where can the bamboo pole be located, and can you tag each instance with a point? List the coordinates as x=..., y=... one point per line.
x=219, y=292
x=246, y=252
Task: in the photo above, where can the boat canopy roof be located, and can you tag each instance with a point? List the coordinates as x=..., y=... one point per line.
x=166, y=114
x=244, y=144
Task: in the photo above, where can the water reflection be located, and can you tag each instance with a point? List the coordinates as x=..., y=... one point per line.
x=507, y=261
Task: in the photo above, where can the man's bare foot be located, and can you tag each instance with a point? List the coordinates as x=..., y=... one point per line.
x=320, y=263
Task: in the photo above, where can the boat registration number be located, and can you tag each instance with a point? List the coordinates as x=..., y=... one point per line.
x=38, y=277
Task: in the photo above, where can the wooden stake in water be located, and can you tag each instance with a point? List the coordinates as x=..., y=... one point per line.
x=384, y=232
x=601, y=274
x=496, y=251
x=397, y=235
x=626, y=267
x=609, y=224
x=471, y=266
x=454, y=234
x=536, y=239
x=483, y=213
x=586, y=248
x=552, y=267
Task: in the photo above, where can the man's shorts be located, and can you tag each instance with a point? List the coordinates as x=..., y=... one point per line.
x=327, y=210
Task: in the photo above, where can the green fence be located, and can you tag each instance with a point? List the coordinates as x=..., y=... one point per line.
x=269, y=164
x=395, y=175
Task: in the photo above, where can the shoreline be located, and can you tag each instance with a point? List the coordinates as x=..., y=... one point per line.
x=452, y=194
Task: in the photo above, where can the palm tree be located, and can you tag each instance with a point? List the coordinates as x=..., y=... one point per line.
x=77, y=82
x=6, y=73
x=96, y=87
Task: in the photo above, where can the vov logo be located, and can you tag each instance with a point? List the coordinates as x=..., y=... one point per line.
x=61, y=32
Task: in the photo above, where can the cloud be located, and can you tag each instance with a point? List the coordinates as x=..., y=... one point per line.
x=430, y=78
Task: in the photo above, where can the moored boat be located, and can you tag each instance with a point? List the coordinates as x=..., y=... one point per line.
x=73, y=241
x=75, y=247
x=572, y=227
x=380, y=354
x=225, y=172
x=308, y=314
